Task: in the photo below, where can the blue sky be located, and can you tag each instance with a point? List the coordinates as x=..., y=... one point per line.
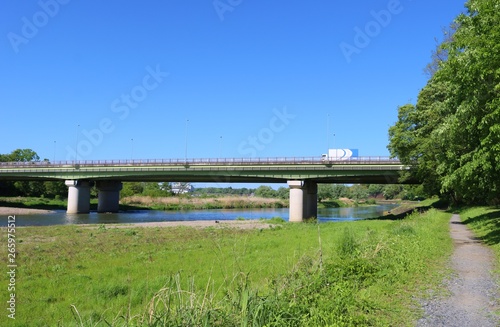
x=226, y=78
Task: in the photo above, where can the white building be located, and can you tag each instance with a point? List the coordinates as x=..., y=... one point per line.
x=182, y=188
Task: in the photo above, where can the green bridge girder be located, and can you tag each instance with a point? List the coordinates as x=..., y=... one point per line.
x=365, y=171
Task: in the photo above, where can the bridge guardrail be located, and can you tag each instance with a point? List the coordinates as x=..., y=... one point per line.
x=204, y=161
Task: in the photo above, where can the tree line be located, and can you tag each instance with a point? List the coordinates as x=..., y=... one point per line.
x=51, y=189
x=451, y=135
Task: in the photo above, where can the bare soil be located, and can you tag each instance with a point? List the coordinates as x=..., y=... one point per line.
x=241, y=224
x=4, y=211
x=473, y=298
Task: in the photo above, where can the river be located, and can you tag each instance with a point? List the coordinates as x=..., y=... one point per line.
x=141, y=216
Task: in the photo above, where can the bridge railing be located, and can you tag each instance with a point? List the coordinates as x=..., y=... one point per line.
x=207, y=161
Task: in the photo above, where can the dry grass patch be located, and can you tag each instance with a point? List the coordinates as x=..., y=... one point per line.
x=224, y=202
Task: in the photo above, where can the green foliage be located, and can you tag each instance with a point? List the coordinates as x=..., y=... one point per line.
x=358, y=192
x=131, y=188
x=55, y=189
x=332, y=191
x=265, y=192
x=392, y=191
x=340, y=191
x=20, y=155
x=325, y=191
x=348, y=245
x=375, y=190
x=211, y=191
x=485, y=222
x=452, y=134
x=283, y=193
x=145, y=189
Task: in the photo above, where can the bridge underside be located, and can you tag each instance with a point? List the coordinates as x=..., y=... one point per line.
x=302, y=179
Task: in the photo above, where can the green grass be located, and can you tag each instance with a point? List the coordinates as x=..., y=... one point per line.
x=485, y=222
x=364, y=273
x=33, y=203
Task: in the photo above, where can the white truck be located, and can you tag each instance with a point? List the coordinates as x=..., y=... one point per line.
x=340, y=154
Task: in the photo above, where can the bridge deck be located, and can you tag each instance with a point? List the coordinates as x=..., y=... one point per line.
x=279, y=170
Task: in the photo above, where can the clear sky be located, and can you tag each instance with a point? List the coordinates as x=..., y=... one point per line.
x=226, y=78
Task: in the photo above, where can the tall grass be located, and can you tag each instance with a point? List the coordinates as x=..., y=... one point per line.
x=364, y=273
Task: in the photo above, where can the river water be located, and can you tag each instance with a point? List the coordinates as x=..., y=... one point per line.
x=140, y=216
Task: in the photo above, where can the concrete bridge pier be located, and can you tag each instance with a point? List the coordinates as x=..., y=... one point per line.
x=303, y=200
x=109, y=196
x=310, y=199
x=78, y=196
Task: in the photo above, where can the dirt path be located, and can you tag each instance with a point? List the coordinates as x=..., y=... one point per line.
x=474, y=294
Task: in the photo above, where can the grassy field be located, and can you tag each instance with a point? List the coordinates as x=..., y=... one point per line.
x=364, y=273
x=33, y=203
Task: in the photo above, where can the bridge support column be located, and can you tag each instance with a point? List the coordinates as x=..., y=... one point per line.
x=78, y=196
x=303, y=200
x=109, y=196
x=310, y=199
x=296, y=210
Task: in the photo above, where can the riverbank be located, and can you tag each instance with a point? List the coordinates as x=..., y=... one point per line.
x=7, y=211
x=201, y=203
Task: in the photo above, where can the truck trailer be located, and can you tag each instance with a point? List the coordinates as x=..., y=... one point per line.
x=340, y=154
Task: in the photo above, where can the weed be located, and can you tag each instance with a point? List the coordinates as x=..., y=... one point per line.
x=348, y=244
x=130, y=232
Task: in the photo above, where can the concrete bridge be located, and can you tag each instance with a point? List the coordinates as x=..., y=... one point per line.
x=301, y=174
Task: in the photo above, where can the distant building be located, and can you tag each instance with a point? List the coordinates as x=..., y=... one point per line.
x=182, y=188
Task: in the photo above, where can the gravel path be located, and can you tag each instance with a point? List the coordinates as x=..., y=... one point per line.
x=474, y=295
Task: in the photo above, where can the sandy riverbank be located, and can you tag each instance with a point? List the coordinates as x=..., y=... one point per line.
x=22, y=211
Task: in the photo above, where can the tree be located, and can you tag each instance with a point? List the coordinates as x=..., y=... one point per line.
x=358, y=192
x=340, y=191
x=55, y=189
x=375, y=190
x=325, y=191
x=283, y=193
x=440, y=54
x=265, y=192
x=21, y=188
x=20, y=155
x=392, y=191
x=452, y=135
x=154, y=190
